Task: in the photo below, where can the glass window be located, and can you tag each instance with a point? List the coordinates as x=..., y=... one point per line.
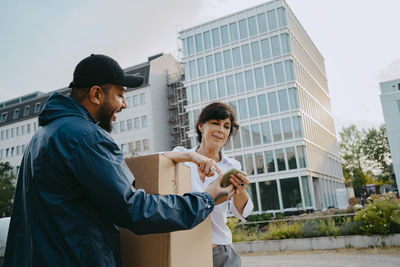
x=269, y=195
x=228, y=144
x=26, y=110
x=221, y=87
x=252, y=106
x=306, y=191
x=218, y=62
x=203, y=91
x=287, y=129
x=249, y=164
x=142, y=98
x=289, y=70
x=301, y=156
x=243, y=29
x=16, y=114
x=195, y=94
x=240, y=159
x=252, y=25
x=190, y=45
x=240, y=82
x=207, y=40
x=227, y=59
x=262, y=23
x=187, y=72
x=216, y=39
x=265, y=48
x=242, y=109
x=210, y=64
x=298, y=128
x=276, y=130
x=290, y=191
x=224, y=34
x=138, y=146
x=280, y=159
x=122, y=126
x=188, y=95
x=212, y=89
x=199, y=42
x=285, y=43
x=272, y=23
x=293, y=97
x=184, y=47
x=193, y=71
x=137, y=123
x=273, y=104
x=145, y=144
x=282, y=17
x=280, y=75
x=196, y=114
x=259, y=162
x=237, y=61
x=19, y=130
x=234, y=32
x=233, y=105
x=230, y=84
x=23, y=129
x=269, y=75
x=249, y=80
x=283, y=100
x=255, y=51
x=266, y=132
x=115, y=127
x=129, y=124
x=12, y=132
x=246, y=54
x=129, y=102
x=291, y=158
x=276, y=46
x=252, y=192
x=236, y=141
x=270, y=161
x=398, y=105
x=256, y=134
x=258, y=74
x=262, y=105
x=201, y=67
x=37, y=107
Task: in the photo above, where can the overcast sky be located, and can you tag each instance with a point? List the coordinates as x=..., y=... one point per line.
x=42, y=41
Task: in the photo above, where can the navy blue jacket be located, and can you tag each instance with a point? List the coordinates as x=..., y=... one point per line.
x=74, y=190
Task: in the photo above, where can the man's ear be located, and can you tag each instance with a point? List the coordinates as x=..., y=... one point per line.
x=96, y=95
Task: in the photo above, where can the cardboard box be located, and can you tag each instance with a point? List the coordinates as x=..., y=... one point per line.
x=159, y=175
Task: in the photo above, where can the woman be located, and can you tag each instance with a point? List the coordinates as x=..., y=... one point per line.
x=216, y=123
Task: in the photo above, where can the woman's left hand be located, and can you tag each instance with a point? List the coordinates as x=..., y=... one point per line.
x=240, y=182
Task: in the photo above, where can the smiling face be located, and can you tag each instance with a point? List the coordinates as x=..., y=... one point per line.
x=215, y=132
x=113, y=103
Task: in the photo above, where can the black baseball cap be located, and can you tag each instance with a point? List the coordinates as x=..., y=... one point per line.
x=100, y=69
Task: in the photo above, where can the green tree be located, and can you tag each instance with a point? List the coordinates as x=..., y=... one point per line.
x=7, y=189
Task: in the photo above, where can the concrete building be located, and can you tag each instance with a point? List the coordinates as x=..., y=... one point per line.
x=142, y=128
x=262, y=63
x=390, y=99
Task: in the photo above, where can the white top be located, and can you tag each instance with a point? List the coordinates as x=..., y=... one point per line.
x=221, y=234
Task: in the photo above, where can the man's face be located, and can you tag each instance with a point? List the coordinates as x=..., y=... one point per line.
x=113, y=103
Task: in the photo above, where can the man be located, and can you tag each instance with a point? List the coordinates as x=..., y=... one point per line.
x=74, y=187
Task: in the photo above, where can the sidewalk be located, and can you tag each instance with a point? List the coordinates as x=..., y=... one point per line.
x=373, y=257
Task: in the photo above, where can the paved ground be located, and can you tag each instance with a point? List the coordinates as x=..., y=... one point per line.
x=381, y=257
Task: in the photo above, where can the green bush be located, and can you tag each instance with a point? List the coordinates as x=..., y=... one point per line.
x=284, y=230
x=320, y=227
x=380, y=216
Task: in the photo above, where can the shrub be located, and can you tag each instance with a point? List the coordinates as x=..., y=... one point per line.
x=284, y=230
x=380, y=216
x=320, y=227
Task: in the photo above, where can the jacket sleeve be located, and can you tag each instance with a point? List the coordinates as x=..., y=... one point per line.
x=99, y=167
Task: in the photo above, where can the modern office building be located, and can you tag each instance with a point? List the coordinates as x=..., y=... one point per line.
x=262, y=63
x=142, y=128
x=390, y=99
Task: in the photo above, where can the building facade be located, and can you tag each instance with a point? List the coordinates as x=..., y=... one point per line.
x=390, y=100
x=261, y=62
x=140, y=129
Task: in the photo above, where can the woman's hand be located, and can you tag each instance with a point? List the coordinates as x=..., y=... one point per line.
x=239, y=181
x=206, y=166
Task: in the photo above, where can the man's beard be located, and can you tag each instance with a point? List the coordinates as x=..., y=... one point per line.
x=104, y=115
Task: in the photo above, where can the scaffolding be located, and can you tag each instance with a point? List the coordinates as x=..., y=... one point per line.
x=177, y=115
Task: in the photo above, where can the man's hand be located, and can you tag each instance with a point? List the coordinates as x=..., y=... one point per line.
x=218, y=193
